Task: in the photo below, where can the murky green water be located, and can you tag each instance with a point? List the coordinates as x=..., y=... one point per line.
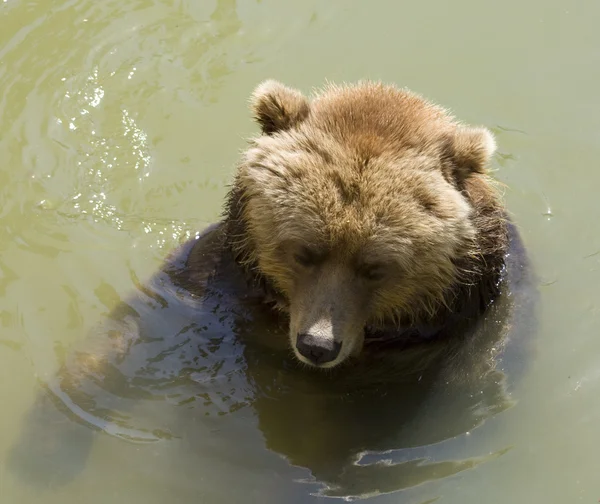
x=120, y=124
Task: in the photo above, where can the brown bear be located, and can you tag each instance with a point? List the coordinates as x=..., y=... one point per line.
x=368, y=207
x=363, y=221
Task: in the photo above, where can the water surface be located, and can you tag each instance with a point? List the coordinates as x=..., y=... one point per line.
x=121, y=123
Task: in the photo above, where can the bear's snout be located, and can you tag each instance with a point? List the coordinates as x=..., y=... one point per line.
x=317, y=350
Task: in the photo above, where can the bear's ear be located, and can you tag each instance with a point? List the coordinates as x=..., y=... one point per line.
x=471, y=149
x=277, y=107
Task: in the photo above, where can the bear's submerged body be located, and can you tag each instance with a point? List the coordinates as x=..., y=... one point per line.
x=395, y=298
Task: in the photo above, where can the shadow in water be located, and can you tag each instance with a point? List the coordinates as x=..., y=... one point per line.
x=196, y=340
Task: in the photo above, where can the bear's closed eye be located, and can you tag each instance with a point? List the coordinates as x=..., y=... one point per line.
x=308, y=257
x=374, y=272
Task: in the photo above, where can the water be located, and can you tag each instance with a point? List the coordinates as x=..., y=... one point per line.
x=121, y=125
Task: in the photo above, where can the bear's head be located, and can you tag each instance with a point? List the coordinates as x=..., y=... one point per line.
x=358, y=208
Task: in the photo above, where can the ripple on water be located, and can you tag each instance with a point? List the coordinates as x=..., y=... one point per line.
x=78, y=106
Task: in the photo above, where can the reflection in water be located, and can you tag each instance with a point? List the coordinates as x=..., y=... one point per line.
x=190, y=340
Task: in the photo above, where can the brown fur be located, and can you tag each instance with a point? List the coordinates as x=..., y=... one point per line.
x=385, y=195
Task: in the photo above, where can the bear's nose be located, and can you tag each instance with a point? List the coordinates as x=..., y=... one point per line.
x=317, y=350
